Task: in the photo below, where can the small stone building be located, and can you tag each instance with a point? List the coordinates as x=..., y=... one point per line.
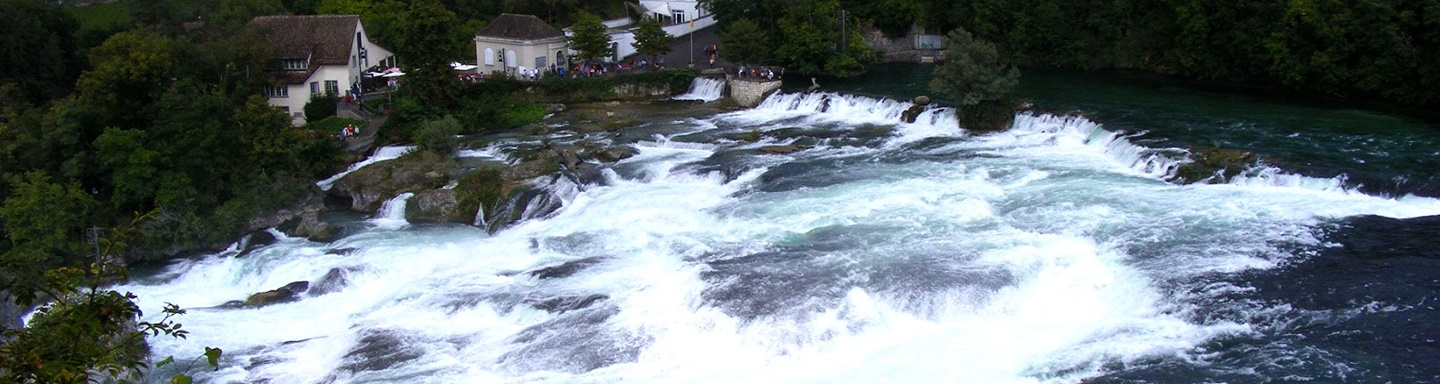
x=513, y=42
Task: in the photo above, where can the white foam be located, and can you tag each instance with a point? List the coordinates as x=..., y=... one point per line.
x=704, y=89
x=1040, y=261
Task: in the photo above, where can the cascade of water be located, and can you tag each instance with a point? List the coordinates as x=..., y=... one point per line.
x=704, y=89
x=392, y=213
x=382, y=154
x=1033, y=255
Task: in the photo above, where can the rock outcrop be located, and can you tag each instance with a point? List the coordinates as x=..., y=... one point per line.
x=288, y=293
x=1214, y=165
x=437, y=206
x=916, y=108
x=368, y=187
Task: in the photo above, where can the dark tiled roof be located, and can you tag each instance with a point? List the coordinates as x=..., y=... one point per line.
x=519, y=27
x=324, y=39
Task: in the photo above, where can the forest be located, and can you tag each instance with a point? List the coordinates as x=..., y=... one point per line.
x=1355, y=51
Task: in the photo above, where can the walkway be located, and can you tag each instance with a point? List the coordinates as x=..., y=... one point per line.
x=363, y=142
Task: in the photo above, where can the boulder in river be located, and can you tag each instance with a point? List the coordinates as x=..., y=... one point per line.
x=1214, y=165
x=288, y=293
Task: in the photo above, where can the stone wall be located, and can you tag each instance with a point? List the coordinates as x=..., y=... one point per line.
x=902, y=49
x=749, y=93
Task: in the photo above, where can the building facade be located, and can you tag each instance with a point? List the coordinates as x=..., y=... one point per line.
x=513, y=44
x=317, y=55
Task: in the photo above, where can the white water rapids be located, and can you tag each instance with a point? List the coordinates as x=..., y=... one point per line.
x=704, y=89
x=1041, y=254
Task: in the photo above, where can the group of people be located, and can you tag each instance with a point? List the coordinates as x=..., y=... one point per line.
x=759, y=73
x=349, y=131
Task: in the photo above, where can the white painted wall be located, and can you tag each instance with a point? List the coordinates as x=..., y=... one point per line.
x=526, y=54
x=343, y=75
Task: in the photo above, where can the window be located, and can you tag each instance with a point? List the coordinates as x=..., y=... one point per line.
x=489, y=56
x=286, y=110
x=510, y=59
x=273, y=91
x=299, y=115
x=332, y=87
x=679, y=16
x=293, y=64
x=314, y=88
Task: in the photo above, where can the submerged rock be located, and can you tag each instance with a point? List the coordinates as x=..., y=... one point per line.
x=918, y=106
x=783, y=149
x=614, y=154
x=333, y=281
x=1214, y=165
x=311, y=227
x=288, y=293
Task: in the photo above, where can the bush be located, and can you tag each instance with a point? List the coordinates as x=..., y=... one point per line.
x=321, y=107
x=496, y=113
x=438, y=136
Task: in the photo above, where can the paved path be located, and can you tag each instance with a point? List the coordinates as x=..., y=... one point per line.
x=363, y=142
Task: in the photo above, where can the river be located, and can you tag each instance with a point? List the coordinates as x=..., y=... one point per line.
x=1056, y=252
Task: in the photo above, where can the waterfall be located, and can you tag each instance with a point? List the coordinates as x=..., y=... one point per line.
x=1052, y=252
x=704, y=89
x=392, y=214
x=382, y=154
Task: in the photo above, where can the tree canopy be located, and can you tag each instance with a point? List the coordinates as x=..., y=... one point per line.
x=589, y=37
x=651, y=39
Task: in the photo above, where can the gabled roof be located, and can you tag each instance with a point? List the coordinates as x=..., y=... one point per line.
x=324, y=39
x=519, y=27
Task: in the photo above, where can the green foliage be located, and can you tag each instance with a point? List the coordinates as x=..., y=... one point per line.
x=438, y=136
x=892, y=17
x=973, y=72
x=332, y=125
x=321, y=107
x=83, y=333
x=743, y=41
x=483, y=189
x=38, y=53
x=131, y=70
x=651, y=39
x=426, y=44
x=43, y=223
x=815, y=38
x=384, y=19
x=589, y=38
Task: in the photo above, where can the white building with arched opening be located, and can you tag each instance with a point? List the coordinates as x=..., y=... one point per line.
x=514, y=42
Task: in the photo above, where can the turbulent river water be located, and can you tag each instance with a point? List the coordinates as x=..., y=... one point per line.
x=1056, y=252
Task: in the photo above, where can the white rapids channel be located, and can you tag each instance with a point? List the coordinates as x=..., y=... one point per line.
x=1037, y=255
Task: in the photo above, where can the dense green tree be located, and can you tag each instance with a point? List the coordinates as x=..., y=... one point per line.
x=975, y=77
x=38, y=52
x=816, y=37
x=43, y=222
x=130, y=71
x=743, y=41
x=589, y=38
x=426, y=45
x=651, y=39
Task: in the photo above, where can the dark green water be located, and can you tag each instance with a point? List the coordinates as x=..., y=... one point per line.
x=1380, y=153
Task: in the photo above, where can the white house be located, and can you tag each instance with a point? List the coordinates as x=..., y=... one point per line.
x=680, y=19
x=318, y=54
x=676, y=11
x=513, y=42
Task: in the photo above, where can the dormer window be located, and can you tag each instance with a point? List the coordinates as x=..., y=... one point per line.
x=296, y=64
